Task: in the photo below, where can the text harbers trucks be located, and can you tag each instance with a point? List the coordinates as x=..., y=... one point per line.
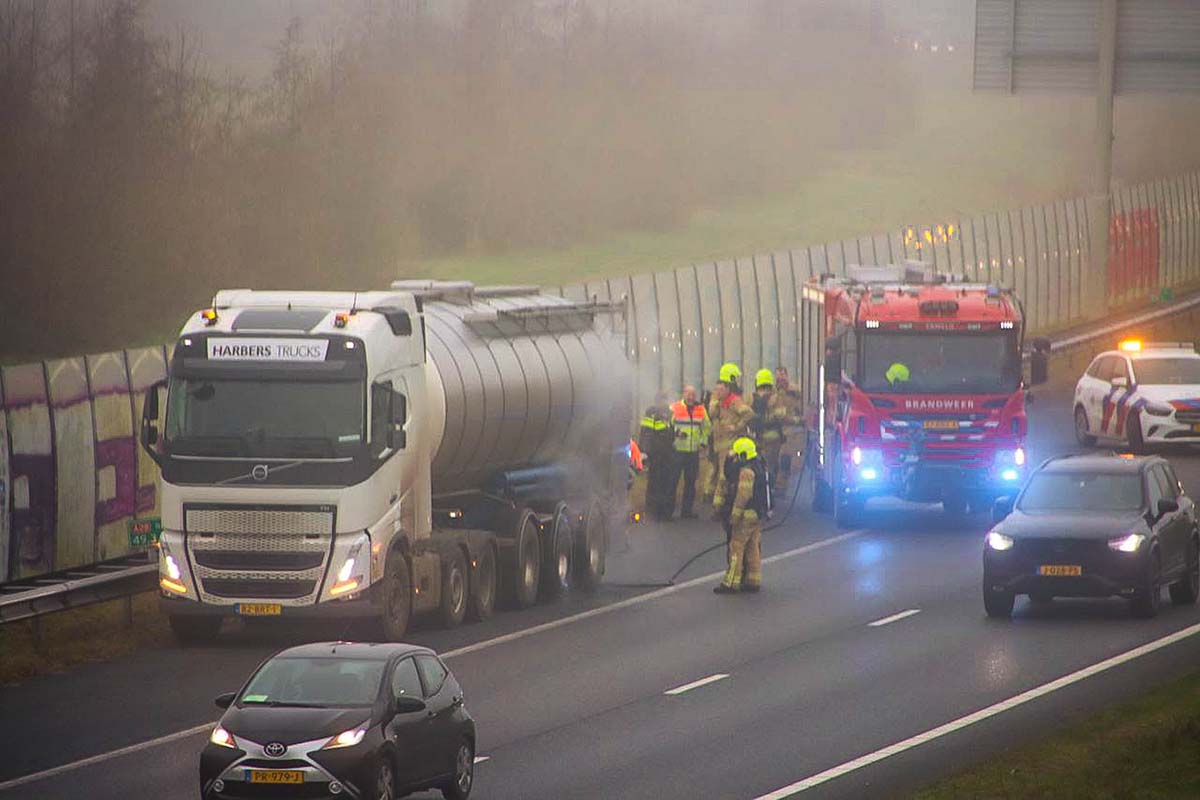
x=923, y=396
x=376, y=454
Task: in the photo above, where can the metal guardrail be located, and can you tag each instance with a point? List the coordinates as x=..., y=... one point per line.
x=108, y=580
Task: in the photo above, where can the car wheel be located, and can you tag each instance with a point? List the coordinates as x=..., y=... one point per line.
x=1185, y=590
x=998, y=604
x=397, y=598
x=384, y=785
x=483, y=592
x=592, y=552
x=955, y=505
x=455, y=590
x=1081, y=428
x=464, y=773
x=1133, y=433
x=560, y=547
x=1148, y=597
x=527, y=561
x=191, y=631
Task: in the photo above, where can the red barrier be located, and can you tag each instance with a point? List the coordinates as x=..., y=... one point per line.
x=1133, y=251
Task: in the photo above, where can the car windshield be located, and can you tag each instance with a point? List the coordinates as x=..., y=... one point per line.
x=271, y=418
x=939, y=363
x=1080, y=491
x=1176, y=371
x=317, y=682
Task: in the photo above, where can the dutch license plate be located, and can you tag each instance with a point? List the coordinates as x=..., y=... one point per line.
x=941, y=425
x=1196, y=428
x=1068, y=570
x=274, y=776
x=259, y=609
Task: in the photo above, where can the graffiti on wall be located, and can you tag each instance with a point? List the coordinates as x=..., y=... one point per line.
x=71, y=472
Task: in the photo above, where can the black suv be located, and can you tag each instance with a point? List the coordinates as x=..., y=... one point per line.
x=1094, y=526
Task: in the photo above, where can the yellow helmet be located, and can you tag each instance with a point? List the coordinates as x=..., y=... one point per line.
x=764, y=377
x=729, y=373
x=745, y=449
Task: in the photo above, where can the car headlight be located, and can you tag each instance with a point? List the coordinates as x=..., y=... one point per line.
x=1128, y=543
x=346, y=739
x=222, y=738
x=998, y=541
x=1158, y=409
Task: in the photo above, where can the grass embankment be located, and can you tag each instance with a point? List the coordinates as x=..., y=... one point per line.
x=1147, y=748
x=93, y=633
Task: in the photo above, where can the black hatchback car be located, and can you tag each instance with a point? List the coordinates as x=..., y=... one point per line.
x=1094, y=526
x=339, y=719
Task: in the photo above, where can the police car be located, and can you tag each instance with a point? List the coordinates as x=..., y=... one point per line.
x=1142, y=393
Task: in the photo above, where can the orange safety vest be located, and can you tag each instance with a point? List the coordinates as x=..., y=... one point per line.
x=635, y=456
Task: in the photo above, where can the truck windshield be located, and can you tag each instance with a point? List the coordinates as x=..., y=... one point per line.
x=939, y=363
x=261, y=418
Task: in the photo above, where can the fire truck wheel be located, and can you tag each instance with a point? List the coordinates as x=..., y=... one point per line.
x=955, y=505
x=847, y=511
x=821, y=492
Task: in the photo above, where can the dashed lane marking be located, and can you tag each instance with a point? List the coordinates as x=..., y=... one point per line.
x=879, y=623
x=687, y=687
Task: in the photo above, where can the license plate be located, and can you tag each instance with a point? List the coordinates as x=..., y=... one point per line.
x=259, y=609
x=274, y=776
x=1069, y=570
x=1196, y=428
x=941, y=425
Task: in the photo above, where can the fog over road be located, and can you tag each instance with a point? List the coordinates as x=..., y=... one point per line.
x=860, y=640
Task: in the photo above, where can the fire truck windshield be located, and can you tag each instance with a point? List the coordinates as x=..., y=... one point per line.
x=921, y=362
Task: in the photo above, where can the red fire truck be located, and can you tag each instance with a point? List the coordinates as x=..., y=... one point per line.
x=922, y=396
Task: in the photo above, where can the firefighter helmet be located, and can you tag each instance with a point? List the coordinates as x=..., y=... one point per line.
x=764, y=377
x=745, y=449
x=729, y=373
x=897, y=373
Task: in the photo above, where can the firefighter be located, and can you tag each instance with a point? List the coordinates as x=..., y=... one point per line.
x=744, y=511
x=691, y=426
x=731, y=418
x=654, y=439
x=772, y=415
x=794, y=435
x=897, y=373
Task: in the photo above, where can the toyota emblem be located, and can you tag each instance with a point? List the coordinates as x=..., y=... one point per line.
x=260, y=472
x=275, y=749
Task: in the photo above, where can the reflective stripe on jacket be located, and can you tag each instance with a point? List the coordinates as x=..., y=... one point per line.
x=691, y=426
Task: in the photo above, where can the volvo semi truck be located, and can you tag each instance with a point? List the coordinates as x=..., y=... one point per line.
x=371, y=455
x=922, y=395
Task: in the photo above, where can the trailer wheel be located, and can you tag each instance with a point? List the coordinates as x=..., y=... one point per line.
x=525, y=576
x=483, y=587
x=397, y=597
x=560, y=547
x=454, y=589
x=591, y=548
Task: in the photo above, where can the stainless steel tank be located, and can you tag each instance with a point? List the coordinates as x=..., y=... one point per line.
x=520, y=379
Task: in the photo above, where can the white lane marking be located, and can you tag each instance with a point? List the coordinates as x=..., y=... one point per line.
x=510, y=637
x=87, y=762
x=879, y=623
x=979, y=716
x=481, y=759
x=641, y=598
x=687, y=687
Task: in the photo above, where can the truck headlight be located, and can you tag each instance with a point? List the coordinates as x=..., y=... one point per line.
x=352, y=560
x=172, y=569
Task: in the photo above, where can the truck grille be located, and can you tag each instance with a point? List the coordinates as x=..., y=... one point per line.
x=250, y=552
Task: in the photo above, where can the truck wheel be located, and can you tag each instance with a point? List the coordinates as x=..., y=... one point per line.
x=483, y=588
x=397, y=597
x=527, y=561
x=190, y=631
x=592, y=549
x=559, y=551
x=821, y=493
x=454, y=590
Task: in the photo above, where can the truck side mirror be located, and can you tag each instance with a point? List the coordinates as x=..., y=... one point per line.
x=150, y=414
x=397, y=436
x=1039, y=362
x=833, y=361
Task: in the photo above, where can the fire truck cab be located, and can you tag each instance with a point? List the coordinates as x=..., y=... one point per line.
x=923, y=396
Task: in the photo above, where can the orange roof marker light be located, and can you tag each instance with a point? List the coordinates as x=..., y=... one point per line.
x=1131, y=345
x=209, y=315
x=341, y=319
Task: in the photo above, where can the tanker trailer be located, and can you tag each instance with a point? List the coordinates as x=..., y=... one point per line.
x=371, y=455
